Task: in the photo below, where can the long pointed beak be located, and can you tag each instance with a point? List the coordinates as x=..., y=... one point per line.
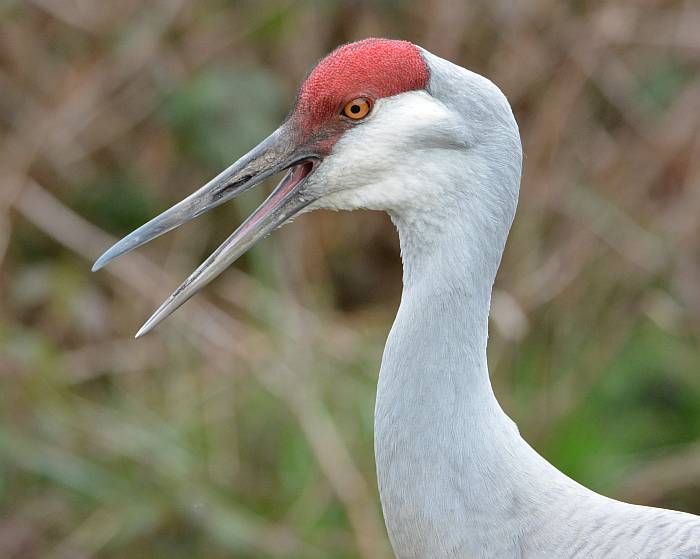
x=276, y=153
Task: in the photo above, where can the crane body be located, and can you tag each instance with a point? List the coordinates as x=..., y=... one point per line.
x=387, y=125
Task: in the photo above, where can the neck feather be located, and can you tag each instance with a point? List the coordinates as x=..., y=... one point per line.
x=435, y=356
x=441, y=437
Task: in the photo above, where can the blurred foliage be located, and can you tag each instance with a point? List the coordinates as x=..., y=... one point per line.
x=213, y=115
x=117, y=201
x=243, y=428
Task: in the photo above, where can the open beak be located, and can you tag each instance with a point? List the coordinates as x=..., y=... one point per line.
x=274, y=154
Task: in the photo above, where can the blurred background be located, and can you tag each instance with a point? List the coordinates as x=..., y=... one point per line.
x=243, y=426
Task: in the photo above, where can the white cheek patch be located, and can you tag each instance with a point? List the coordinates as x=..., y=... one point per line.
x=378, y=163
x=411, y=120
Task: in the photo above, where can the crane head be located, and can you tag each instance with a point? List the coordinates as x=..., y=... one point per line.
x=353, y=139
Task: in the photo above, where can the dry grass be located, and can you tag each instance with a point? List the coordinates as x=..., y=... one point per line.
x=243, y=428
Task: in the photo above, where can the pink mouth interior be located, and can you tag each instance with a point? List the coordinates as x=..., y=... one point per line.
x=291, y=180
x=299, y=172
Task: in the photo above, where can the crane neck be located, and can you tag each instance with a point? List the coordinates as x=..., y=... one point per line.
x=455, y=477
x=445, y=450
x=450, y=264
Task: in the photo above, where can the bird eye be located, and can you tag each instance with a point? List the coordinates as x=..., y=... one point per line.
x=357, y=108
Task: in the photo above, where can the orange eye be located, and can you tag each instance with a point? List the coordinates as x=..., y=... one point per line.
x=357, y=108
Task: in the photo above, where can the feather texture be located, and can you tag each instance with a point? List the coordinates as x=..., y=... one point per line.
x=456, y=478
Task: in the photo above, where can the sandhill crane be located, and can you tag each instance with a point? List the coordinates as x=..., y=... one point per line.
x=386, y=125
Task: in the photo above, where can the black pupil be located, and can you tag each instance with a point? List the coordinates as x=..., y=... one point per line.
x=355, y=109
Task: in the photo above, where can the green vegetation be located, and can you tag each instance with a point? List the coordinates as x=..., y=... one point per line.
x=243, y=426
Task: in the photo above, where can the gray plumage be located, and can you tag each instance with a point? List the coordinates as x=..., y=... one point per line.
x=456, y=479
